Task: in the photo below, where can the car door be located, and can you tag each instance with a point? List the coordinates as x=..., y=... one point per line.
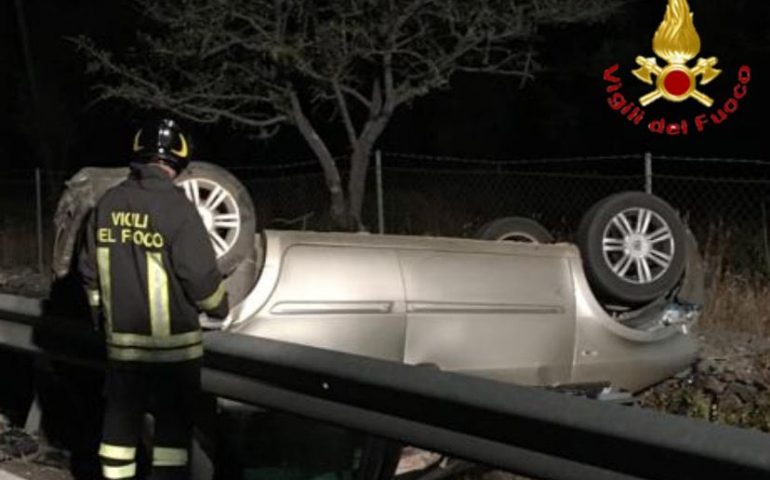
x=343, y=298
x=504, y=316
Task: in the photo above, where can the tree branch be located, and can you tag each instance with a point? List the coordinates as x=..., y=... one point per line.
x=343, y=106
x=316, y=143
x=239, y=61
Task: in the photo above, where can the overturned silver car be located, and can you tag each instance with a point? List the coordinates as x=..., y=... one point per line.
x=618, y=316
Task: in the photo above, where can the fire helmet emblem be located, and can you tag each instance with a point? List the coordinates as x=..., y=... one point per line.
x=677, y=42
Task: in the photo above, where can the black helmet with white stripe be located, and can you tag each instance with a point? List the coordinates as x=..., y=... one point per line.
x=162, y=140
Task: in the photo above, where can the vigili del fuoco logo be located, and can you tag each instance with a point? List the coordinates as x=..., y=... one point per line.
x=676, y=44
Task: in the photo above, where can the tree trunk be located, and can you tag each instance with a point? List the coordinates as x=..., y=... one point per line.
x=359, y=164
x=339, y=210
x=359, y=167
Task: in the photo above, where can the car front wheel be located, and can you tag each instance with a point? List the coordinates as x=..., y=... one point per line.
x=633, y=247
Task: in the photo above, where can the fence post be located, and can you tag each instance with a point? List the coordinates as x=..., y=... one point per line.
x=39, y=219
x=648, y=172
x=765, y=236
x=380, y=207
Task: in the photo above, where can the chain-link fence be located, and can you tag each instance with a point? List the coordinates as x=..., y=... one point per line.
x=723, y=201
x=28, y=201
x=454, y=201
x=427, y=195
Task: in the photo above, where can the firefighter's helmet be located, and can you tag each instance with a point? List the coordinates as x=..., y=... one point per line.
x=162, y=139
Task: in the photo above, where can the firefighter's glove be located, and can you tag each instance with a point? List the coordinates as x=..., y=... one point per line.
x=210, y=323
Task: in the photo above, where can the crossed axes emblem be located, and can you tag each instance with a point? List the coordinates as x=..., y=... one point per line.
x=676, y=82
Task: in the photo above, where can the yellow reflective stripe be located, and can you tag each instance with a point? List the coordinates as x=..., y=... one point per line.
x=212, y=301
x=169, y=457
x=124, y=471
x=148, y=341
x=105, y=284
x=140, y=355
x=157, y=287
x=93, y=297
x=116, y=452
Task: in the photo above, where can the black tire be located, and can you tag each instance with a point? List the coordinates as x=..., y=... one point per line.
x=515, y=229
x=645, y=269
x=240, y=241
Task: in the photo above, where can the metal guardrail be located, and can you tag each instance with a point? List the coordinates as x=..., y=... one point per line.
x=528, y=431
x=524, y=430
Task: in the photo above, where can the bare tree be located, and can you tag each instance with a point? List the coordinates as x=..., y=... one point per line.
x=263, y=63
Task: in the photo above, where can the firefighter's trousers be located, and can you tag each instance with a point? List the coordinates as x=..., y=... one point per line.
x=169, y=392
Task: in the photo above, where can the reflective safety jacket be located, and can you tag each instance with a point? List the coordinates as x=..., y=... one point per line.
x=148, y=262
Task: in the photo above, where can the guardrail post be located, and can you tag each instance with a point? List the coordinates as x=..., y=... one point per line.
x=380, y=206
x=765, y=240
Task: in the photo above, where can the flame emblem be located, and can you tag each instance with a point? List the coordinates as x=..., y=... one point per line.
x=677, y=42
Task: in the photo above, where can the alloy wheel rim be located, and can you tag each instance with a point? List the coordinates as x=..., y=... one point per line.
x=218, y=210
x=517, y=237
x=638, y=246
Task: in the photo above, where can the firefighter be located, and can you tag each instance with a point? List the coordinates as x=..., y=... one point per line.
x=149, y=268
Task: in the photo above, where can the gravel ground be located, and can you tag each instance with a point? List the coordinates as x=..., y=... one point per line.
x=730, y=384
x=29, y=470
x=26, y=457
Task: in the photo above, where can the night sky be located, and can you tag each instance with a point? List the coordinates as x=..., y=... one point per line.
x=564, y=112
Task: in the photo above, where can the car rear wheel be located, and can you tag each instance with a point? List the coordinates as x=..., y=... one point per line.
x=515, y=229
x=226, y=209
x=633, y=247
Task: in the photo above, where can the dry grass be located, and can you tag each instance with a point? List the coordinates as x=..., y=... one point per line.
x=738, y=303
x=18, y=246
x=737, y=281
x=18, y=242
